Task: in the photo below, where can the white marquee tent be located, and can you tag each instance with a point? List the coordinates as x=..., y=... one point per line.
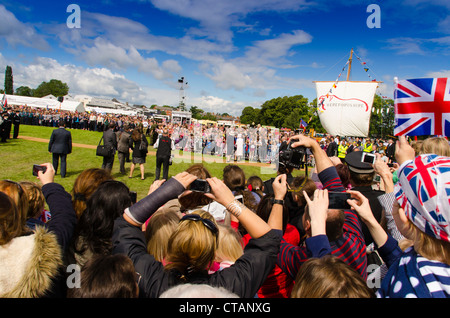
x=69, y=105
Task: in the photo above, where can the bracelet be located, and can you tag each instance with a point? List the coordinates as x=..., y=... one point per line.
x=274, y=201
x=235, y=207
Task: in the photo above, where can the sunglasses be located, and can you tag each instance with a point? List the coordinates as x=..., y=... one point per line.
x=208, y=223
x=19, y=187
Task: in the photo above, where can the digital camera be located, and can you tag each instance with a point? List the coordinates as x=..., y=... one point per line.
x=293, y=157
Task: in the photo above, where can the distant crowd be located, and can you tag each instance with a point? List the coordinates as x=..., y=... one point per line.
x=338, y=232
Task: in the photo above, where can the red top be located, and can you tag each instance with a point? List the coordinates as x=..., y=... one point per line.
x=278, y=284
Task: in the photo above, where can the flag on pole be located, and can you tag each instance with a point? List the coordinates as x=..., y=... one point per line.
x=303, y=124
x=422, y=107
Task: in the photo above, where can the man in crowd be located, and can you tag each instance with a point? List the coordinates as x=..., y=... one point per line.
x=109, y=140
x=60, y=146
x=123, y=147
x=165, y=145
x=16, y=122
x=361, y=178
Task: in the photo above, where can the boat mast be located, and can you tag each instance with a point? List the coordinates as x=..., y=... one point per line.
x=350, y=64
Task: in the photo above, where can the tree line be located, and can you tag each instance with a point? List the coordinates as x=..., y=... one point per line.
x=286, y=111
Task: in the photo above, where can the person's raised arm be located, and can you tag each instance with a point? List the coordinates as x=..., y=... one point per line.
x=385, y=173
x=320, y=156
x=362, y=207
x=403, y=151
x=59, y=201
x=138, y=213
x=254, y=225
x=279, y=186
x=318, y=211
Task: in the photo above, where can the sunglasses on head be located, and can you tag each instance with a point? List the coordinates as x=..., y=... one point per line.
x=208, y=223
x=19, y=187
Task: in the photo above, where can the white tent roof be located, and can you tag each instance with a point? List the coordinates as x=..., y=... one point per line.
x=45, y=103
x=111, y=111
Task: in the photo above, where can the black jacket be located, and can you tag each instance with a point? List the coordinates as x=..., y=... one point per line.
x=164, y=147
x=60, y=141
x=377, y=210
x=110, y=139
x=244, y=278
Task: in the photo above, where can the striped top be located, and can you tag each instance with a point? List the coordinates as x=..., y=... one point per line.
x=414, y=276
x=351, y=247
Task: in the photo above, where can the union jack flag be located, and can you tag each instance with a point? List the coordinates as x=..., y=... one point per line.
x=423, y=191
x=422, y=107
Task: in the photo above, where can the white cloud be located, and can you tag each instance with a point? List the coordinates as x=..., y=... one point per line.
x=228, y=75
x=18, y=33
x=88, y=81
x=217, y=17
x=437, y=74
x=219, y=105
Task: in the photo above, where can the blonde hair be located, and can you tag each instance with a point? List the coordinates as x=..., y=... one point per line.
x=36, y=199
x=428, y=246
x=436, y=145
x=230, y=247
x=159, y=229
x=329, y=277
x=417, y=146
x=192, y=246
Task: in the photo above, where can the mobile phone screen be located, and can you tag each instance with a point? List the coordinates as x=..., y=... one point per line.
x=200, y=185
x=338, y=200
x=368, y=158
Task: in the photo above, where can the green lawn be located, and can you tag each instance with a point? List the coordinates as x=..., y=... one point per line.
x=19, y=155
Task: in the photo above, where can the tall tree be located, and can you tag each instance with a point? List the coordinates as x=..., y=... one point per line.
x=9, y=81
x=54, y=87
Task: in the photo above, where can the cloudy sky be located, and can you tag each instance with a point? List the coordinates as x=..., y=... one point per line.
x=232, y=53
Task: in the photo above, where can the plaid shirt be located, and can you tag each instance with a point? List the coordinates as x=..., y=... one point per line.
x=351, y=247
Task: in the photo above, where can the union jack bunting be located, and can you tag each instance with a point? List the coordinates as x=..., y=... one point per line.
x=422, y=107
x=423, y=191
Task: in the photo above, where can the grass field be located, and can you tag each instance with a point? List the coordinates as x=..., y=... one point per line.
x=18, y=156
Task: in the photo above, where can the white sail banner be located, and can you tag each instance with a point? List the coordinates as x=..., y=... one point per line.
x=345, y=110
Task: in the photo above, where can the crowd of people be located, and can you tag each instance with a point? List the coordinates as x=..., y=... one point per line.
x=348, y=229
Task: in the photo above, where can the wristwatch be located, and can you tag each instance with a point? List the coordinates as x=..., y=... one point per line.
x=275, y=201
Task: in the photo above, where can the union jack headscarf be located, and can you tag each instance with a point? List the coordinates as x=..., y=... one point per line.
x=423, y=191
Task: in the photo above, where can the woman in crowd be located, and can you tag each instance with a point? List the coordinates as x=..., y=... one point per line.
x=85, y=184
x=230, y=246
x=158, y=231
x=422, y=216
x=107, y=276
x=139, y=147
x=188, y=263
x=278, y=284
x=329, y=277
x=31, y=260
x=94, y=229
x=36, y=203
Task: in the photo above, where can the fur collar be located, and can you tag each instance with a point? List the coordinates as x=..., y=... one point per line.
x=29, y=263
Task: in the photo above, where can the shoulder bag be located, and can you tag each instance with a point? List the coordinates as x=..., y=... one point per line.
x=102, y=150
